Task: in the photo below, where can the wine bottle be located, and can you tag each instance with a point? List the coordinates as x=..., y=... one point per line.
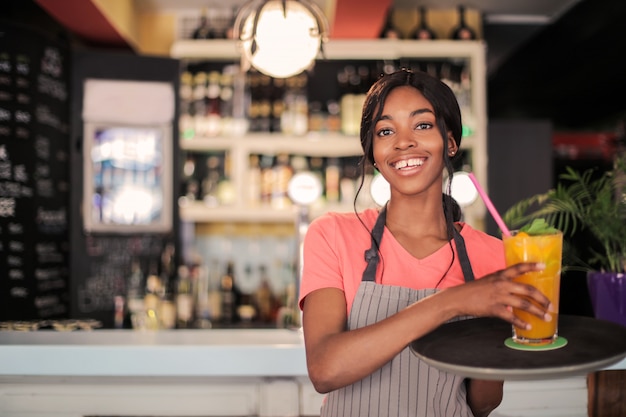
x=389, y=30
x=228, y=295
x=184, y=299
x=423, y=31
x=463, y=31
x=203, y=30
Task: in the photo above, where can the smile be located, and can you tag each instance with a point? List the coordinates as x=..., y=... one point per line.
x=408, y=163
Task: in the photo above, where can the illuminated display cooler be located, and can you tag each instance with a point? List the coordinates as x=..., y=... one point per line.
x=127, y=179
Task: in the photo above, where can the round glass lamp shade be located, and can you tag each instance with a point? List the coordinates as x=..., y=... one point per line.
x=286, y=41
x=462, y=189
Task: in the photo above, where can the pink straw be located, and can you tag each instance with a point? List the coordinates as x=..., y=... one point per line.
x=494, y=213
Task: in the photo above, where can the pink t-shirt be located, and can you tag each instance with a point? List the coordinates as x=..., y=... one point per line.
x=334, y=257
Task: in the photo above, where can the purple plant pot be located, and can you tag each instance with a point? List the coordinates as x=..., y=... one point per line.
x=608, y=295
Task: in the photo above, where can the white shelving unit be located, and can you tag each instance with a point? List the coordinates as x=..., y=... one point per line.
x=319, y=144
x=239, y=150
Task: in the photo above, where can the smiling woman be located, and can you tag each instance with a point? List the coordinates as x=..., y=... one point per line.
x=419, y=270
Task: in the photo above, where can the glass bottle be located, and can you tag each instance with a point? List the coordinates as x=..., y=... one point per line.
x=228, y=295
x=184, y=299
x=389, y=30
x=423, y=31
x=463, y=31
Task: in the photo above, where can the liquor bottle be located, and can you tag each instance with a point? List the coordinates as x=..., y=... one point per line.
x=263, y=297
x=349, y=81
x=228, y=295
x=254, y=181
x=423, y=31
x=213, y=115
x=199, y=103
x=202, y=298
x=211, y=181
x=267, y=178
x=389, y=30
x=184, y=299
x=167, y=307
x=226, y=102
x=152, y=299
x=134, y=295
x=186, y=120
x=332, y=175
x=282, y=173
x=463, y=31
x=203, y=30
x=226, y=194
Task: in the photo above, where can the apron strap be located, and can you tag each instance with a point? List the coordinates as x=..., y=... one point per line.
x=466, y=266
x=371, y=255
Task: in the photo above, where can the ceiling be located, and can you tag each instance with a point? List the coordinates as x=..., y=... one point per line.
x=546, y=59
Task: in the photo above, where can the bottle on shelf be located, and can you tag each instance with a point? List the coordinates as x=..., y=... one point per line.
x=264, y=298
x=225, y=188
x=186, y=122
x=211, y=181
x=202, y=298
x=204, y=29
x=152, y=299
x=423, y=31
x=389, y=29
x=229, y=295
x=199, y=103
x=213, y=110
x=167, y=305
x=462, y=31
x=295, y=116
x=267, y=179
x=135, y=287
x=281, y=175
x=254, y=181
x=184, y=299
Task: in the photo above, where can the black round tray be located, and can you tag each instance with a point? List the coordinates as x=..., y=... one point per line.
x=475, y=348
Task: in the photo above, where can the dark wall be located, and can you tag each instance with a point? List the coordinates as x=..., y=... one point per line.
x=571, y=72
x=520, y=162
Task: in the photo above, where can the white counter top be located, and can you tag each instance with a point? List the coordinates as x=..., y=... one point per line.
x=215, y=352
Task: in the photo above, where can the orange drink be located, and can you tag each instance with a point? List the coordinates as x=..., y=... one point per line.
x=546, y=248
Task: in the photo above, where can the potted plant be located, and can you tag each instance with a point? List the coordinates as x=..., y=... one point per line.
x=592, y=207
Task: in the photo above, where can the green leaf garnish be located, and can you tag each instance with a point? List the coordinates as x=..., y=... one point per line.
x=539, y=227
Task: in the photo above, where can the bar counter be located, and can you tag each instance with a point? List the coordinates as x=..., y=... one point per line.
x=213, y=353
x=217, y=372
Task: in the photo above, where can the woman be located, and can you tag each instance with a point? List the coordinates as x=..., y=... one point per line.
x=375, y=281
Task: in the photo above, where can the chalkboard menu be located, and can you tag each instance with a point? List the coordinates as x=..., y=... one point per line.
x=34, y=175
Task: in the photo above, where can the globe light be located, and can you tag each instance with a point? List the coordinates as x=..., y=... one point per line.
x=280, y=38
x=462, y=189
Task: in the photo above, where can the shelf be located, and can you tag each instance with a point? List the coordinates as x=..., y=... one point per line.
x=313, y=144
x=379, y=49
x=198, y=212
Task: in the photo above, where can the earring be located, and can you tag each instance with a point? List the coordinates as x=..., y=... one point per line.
x=452, y=153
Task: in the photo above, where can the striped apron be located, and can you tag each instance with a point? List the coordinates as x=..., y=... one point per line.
x=405, y=386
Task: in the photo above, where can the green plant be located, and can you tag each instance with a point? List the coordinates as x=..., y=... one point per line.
x=589, y=203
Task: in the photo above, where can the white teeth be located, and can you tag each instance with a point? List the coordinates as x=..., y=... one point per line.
x=409, y=163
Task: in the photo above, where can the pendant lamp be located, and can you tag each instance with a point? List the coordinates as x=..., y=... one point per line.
x=280, y=38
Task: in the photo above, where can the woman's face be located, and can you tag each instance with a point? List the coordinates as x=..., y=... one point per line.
x=408, y=146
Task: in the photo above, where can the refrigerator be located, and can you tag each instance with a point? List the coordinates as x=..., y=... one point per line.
x=124, y=167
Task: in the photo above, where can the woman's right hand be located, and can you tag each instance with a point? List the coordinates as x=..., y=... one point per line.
x=496, y=295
